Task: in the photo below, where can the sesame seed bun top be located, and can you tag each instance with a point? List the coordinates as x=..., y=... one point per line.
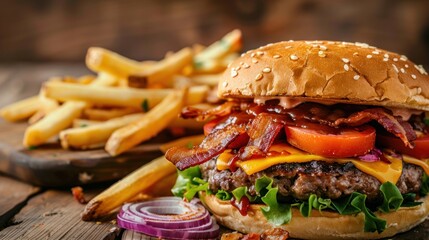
x=328, y=71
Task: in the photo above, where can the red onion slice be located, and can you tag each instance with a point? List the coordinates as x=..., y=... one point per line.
x=169, y=217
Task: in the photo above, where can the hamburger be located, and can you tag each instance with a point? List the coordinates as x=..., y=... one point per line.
x=327, y=140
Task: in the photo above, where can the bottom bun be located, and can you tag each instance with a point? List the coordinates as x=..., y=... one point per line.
x=321, y=225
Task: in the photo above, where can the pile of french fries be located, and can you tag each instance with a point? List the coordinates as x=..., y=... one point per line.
x=126, y=102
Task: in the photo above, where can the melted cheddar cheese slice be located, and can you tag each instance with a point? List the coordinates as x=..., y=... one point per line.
x=423, y=163
x=381, y=170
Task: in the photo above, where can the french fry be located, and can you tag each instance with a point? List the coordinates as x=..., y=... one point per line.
x=104, y=114
x=231, y=42
x=210, y=66
x=78, y=123
x=121, y=97
x=148, y=126
x=20, y=110
x=60, y=118
x=103, y=60
x=206, y=79
x=164, y=70
x=94, y=135
x=36, y=117
x=189, y=142
x=48, y=127
x=130, y=186
x=47, y=105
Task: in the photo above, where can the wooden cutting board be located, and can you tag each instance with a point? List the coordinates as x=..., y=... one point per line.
x=52, y=166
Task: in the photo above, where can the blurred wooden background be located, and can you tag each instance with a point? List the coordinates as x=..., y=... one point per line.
x=62, y=30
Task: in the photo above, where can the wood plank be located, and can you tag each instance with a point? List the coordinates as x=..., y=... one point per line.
x=55, y=214
x=51, y=166
x=13, y=192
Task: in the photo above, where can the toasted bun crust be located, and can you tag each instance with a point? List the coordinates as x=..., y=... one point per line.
x=321, y=225
x=328, y=71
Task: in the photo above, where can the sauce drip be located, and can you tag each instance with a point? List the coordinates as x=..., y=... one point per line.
x=242, y=206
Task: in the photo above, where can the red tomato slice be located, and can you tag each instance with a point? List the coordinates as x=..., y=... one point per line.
x=347, y=142
x=420, y=150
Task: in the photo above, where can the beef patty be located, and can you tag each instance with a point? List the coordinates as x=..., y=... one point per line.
x=299, y=180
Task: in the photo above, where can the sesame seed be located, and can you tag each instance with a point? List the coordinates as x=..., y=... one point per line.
x=246, y=65
x=270, y=44
x=259, y=77
x=241, y=63
x=346, y=67
x=403, y=58
x=406, y=66
x=345, y=60
x=369, y=56
x=355, y=53
x=252, y=55
x=413, y=76
x=277, y=56
x=237, y=68
x=356, y=77
x=402, y=70
x=376, y=52
x=234, y=73
x=331, y=42
x=229, y=65
x=254, y=60
x=396, y=68
x=322, y=54
x=287, y=47
x=260, y=53
x=225, y=84
x=266, y=70
x=323, y=47
x=421, y=69
x=386, y=55
x=242, y=55
x=362, y=45
x=291, y=40
x=385, y=59
x=293, y=57
x=395, y=59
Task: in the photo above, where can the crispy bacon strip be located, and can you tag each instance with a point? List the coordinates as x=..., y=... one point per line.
x=214, y=144
x=219, y=111
x=264, y=129
x=399, y=128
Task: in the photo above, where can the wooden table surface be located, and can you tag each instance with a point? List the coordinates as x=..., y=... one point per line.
x=31, y=212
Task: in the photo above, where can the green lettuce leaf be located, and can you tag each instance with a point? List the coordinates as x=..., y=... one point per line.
x=410, y=200
x=243, y=191
x=223, y=195
x=276, y=213
x=372, y=223
x=344, y=206
x=354, y=204
x=189, y=183
x=193, y=189
x=392, y=197
x=314, y=202
x=263, y=185
x=239, y=192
